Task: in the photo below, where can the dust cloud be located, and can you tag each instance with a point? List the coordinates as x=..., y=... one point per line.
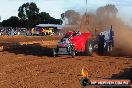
x=101, y=20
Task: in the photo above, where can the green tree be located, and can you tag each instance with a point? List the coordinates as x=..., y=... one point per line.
x=44, y=16
x=4, y=23
x=23, y=23
x=29, y=14
x=0, y=24
x=29, y=11
x=58, y=21
x=11, y=22
x=14, y=21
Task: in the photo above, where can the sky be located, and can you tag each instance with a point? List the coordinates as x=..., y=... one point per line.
x=9, y=8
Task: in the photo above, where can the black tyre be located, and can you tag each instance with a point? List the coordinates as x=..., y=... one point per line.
x=89, y=48
x=73, y=54
x=53, y=52
x=72, y=51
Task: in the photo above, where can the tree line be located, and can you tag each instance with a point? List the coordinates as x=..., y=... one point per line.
x=29, y=16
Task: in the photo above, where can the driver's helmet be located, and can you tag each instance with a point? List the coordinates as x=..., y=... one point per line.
x=77, y=33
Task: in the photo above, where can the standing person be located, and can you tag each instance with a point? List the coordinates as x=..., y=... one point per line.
x=43, y=31
x=0, y=33
x=11, y=32
x=18, y=33
x=32, y=31
x=101, y=41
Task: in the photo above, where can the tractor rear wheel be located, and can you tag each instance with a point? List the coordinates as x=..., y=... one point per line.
x=89, y=48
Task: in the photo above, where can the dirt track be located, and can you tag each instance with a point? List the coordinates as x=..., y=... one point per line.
x=33, y=67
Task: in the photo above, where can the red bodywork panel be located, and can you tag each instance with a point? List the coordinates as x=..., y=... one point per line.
x=79, y=41
x=68, y=33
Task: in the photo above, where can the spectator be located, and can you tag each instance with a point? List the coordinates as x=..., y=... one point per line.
x=32, y=31
x=43, y=31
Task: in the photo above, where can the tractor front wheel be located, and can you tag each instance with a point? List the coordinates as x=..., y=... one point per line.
x=53, y=52
x=73, y=54
x=72, y=51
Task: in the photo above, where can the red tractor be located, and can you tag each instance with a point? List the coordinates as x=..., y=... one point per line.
x=74, y=42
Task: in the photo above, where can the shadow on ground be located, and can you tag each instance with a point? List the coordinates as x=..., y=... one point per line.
x=124, y=74
x=118, y=52
x=30, y=49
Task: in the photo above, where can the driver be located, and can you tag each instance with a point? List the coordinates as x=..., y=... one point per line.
x=77, y=33
x=66, y=37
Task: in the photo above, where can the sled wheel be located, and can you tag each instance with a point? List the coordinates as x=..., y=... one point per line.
x=72, y=51
x=89, y=48
x=53, y=52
